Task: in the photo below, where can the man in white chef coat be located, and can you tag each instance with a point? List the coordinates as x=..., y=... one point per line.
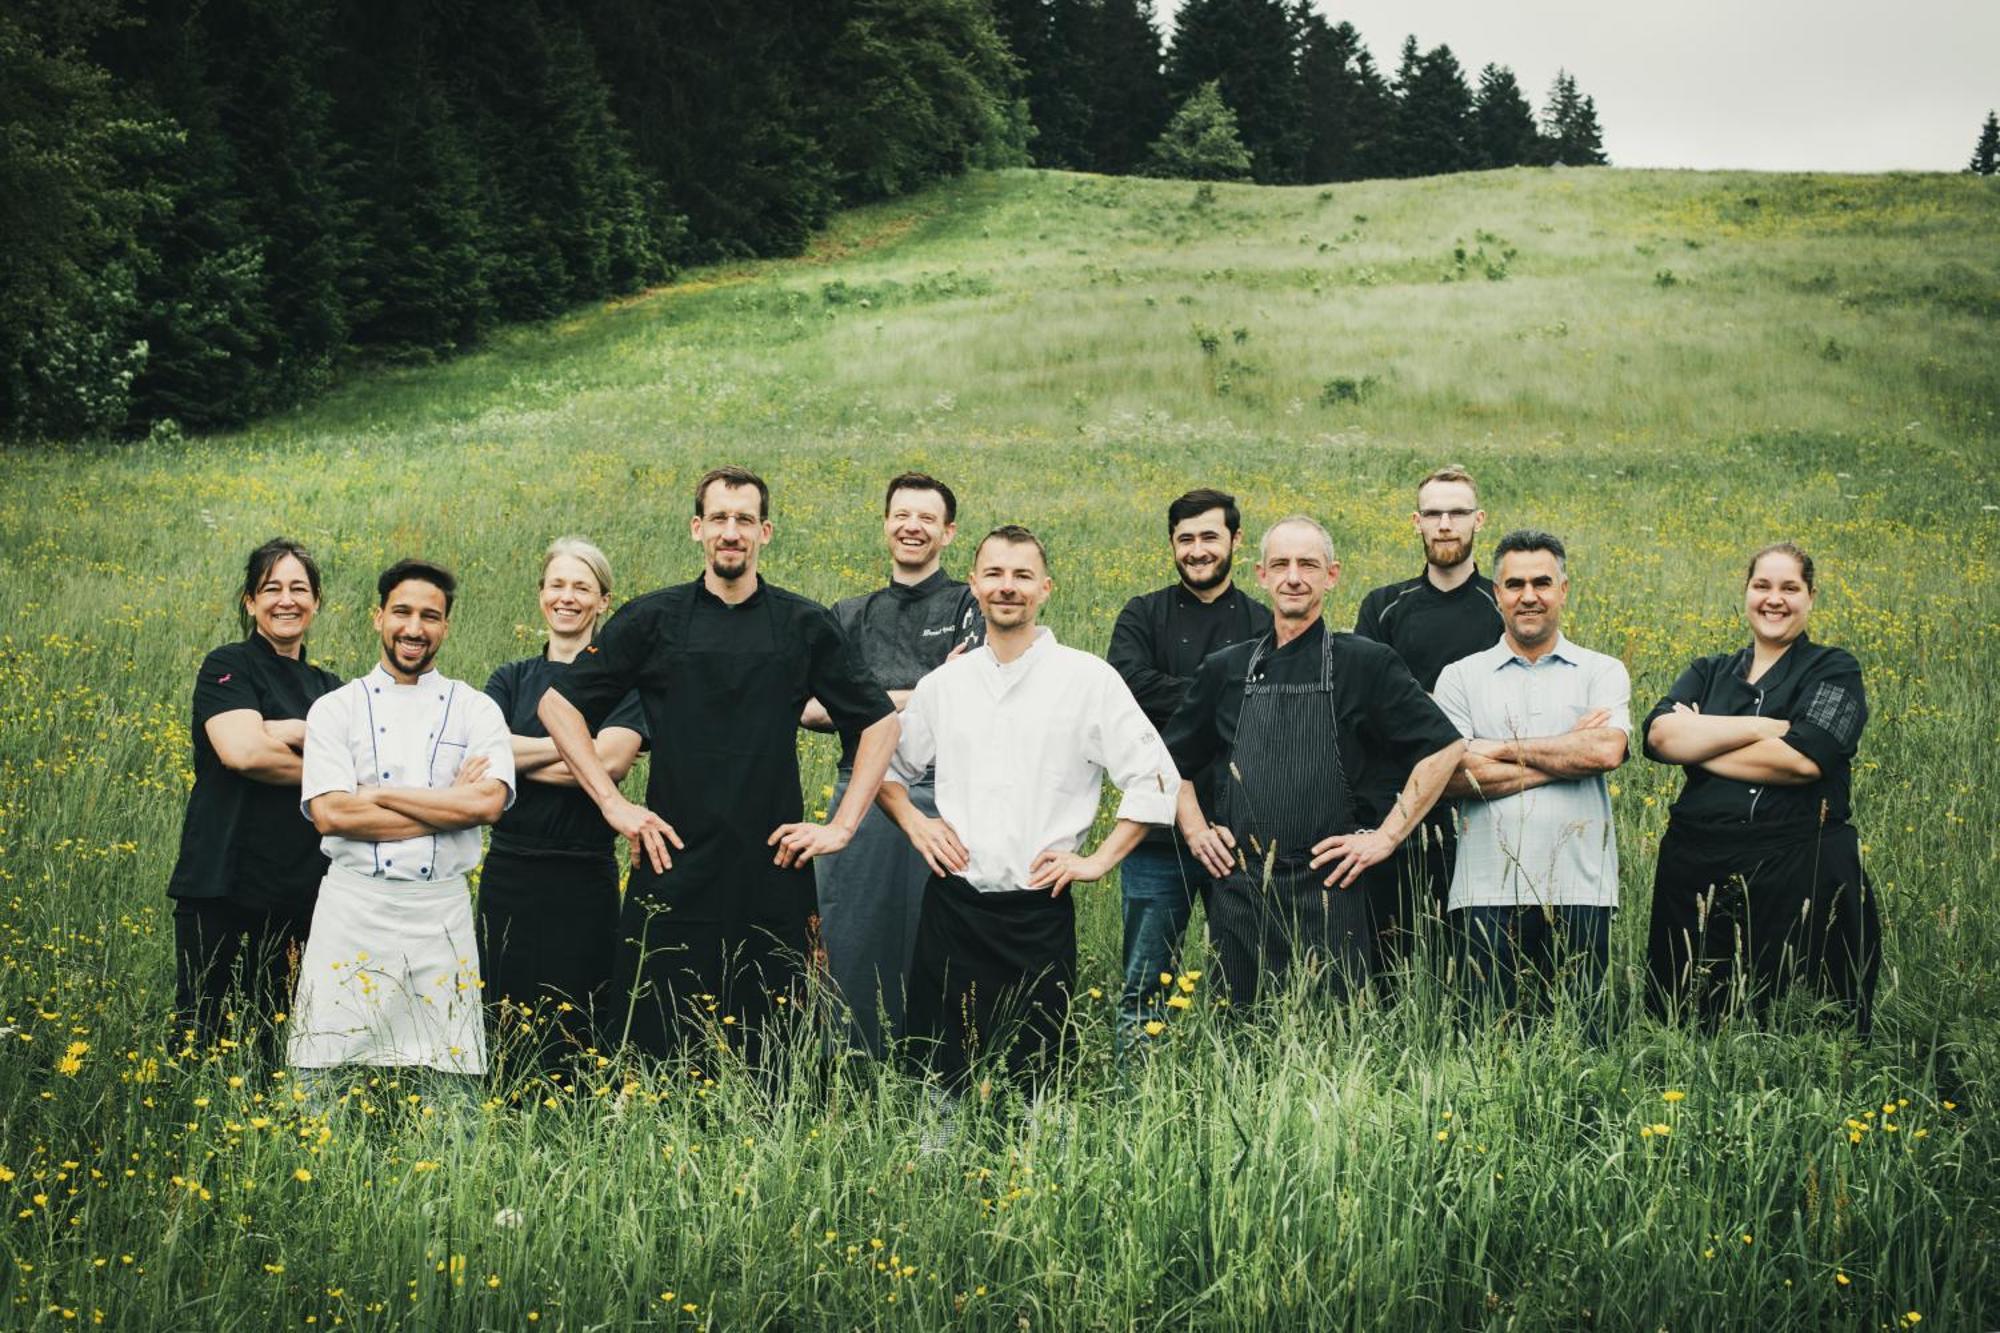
x=1022, y=733
x=401, y=768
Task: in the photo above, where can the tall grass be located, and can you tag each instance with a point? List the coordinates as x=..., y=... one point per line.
x=1820, y=366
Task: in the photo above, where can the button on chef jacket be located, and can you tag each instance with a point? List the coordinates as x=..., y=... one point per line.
x=1022, y=749
x=375, y=732
x=722, y=687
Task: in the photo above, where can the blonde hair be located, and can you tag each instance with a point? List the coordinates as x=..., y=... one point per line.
x=580, y=549
x=1449, y=472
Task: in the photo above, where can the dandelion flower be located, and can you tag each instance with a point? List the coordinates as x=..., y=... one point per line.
x=1673, y=1095
x=302, y=1175
x=1155, y=1027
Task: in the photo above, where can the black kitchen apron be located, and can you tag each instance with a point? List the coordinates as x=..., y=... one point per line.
x=547, y=923
x=1284, y=789
x=722, y=934
x=1743, y=911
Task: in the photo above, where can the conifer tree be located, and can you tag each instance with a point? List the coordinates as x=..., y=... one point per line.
x=1347, y=104
x=1986, y=153
x=1248, y=48
x=1570, y=133
x=1502, y=130
x=1433, y=112
x=1201, y=141
x=1128, y=90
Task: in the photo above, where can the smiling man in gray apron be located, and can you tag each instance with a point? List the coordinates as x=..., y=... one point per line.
x=1295, y=723
x=714, y=925
x=871, y=893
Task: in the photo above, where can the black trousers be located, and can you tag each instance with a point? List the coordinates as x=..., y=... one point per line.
x=548, y=933
x=234, y=964
x=991, y=972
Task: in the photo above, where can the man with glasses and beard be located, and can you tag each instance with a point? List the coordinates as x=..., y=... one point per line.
x=716, y=915
x=1443, y=614
x=1158, y=641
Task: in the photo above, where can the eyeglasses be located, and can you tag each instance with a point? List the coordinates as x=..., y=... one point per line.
x=1456, y=515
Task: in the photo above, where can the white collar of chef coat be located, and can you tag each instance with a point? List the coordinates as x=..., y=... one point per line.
x=1002, y=677
x=380, y=677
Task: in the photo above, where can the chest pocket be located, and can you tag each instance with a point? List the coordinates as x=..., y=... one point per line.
x=449, y=748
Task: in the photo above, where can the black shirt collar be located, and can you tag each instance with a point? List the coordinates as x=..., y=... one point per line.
x=1739, y=666
x=701, y=590
x=1314, y=633
x=261, y=644
x=923, y=587
x=1471, y=582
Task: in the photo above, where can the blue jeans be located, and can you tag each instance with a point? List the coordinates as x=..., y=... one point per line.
x=1160, y=884
x=1555, y=949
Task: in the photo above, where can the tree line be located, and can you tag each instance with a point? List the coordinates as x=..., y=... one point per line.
x=1303, y=95
x=212, y=206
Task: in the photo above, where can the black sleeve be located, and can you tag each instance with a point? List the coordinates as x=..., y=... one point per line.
x=609, y=669
x=1831, y=710
x=223, y=685
x=500, y=689
x=838, y=677
x=1191, y=734
x=1690, y=688
x=631, y=715
x=1368, y=622
x=1132, y=657
x=1401, y=717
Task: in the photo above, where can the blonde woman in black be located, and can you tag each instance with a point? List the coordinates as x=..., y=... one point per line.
x=548, y=895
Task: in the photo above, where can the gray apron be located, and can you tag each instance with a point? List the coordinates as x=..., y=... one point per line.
x=1283, y=790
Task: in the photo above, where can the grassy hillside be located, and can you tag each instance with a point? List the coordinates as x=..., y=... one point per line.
x=1667, y=369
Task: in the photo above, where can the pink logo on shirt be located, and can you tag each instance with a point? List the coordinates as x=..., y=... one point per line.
x=224, y=679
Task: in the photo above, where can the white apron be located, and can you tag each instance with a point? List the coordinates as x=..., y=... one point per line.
x=390, y=976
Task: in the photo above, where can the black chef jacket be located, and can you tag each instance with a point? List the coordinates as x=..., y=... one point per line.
x=1162, y=636
x=1817, y=689
x=1430, y=629
x=241, y=838
x=905, y=632
x=546, y=817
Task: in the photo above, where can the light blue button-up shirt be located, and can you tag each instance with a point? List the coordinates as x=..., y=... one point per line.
x=1551, y=845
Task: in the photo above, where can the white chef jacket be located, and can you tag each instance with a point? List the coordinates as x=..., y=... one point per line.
x=1022, y=749
x=375, y=732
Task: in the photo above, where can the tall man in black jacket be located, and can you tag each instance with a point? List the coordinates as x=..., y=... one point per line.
x=1445, y=613
x=1159, y=640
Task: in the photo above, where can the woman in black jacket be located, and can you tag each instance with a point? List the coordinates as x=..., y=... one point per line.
x=250, y=865
x=1759, y=884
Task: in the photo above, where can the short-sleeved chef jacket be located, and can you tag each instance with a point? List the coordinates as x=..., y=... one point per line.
x=634, y=653
x=1817, y=689
x=242, y=838
x=905, y=631
x=1386, y=721
x=544, y=816
x=1430, y=628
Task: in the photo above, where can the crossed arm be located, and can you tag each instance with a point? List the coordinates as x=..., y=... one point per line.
x=262, y=751
x=1492, y=769
x=1746, y=749
x=391, y=814
x=536, y=758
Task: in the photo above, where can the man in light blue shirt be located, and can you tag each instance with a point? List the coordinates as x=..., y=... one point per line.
x=1537, y=874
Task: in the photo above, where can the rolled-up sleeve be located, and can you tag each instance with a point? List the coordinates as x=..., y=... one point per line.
x=916, y=747
x=1690, y=688
x=1832, y=709
x=1123, y=742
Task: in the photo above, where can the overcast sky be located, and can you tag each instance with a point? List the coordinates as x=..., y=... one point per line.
x=1828, y=85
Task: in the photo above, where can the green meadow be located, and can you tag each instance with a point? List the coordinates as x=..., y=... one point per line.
x=1667, y=369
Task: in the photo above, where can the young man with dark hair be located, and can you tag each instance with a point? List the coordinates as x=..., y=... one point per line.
x=1445, y=613
x=871, y=892
x=400, y=770
x=1022, y=732
x=715, y=922
x=1536, y=880
x=1156, y=644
